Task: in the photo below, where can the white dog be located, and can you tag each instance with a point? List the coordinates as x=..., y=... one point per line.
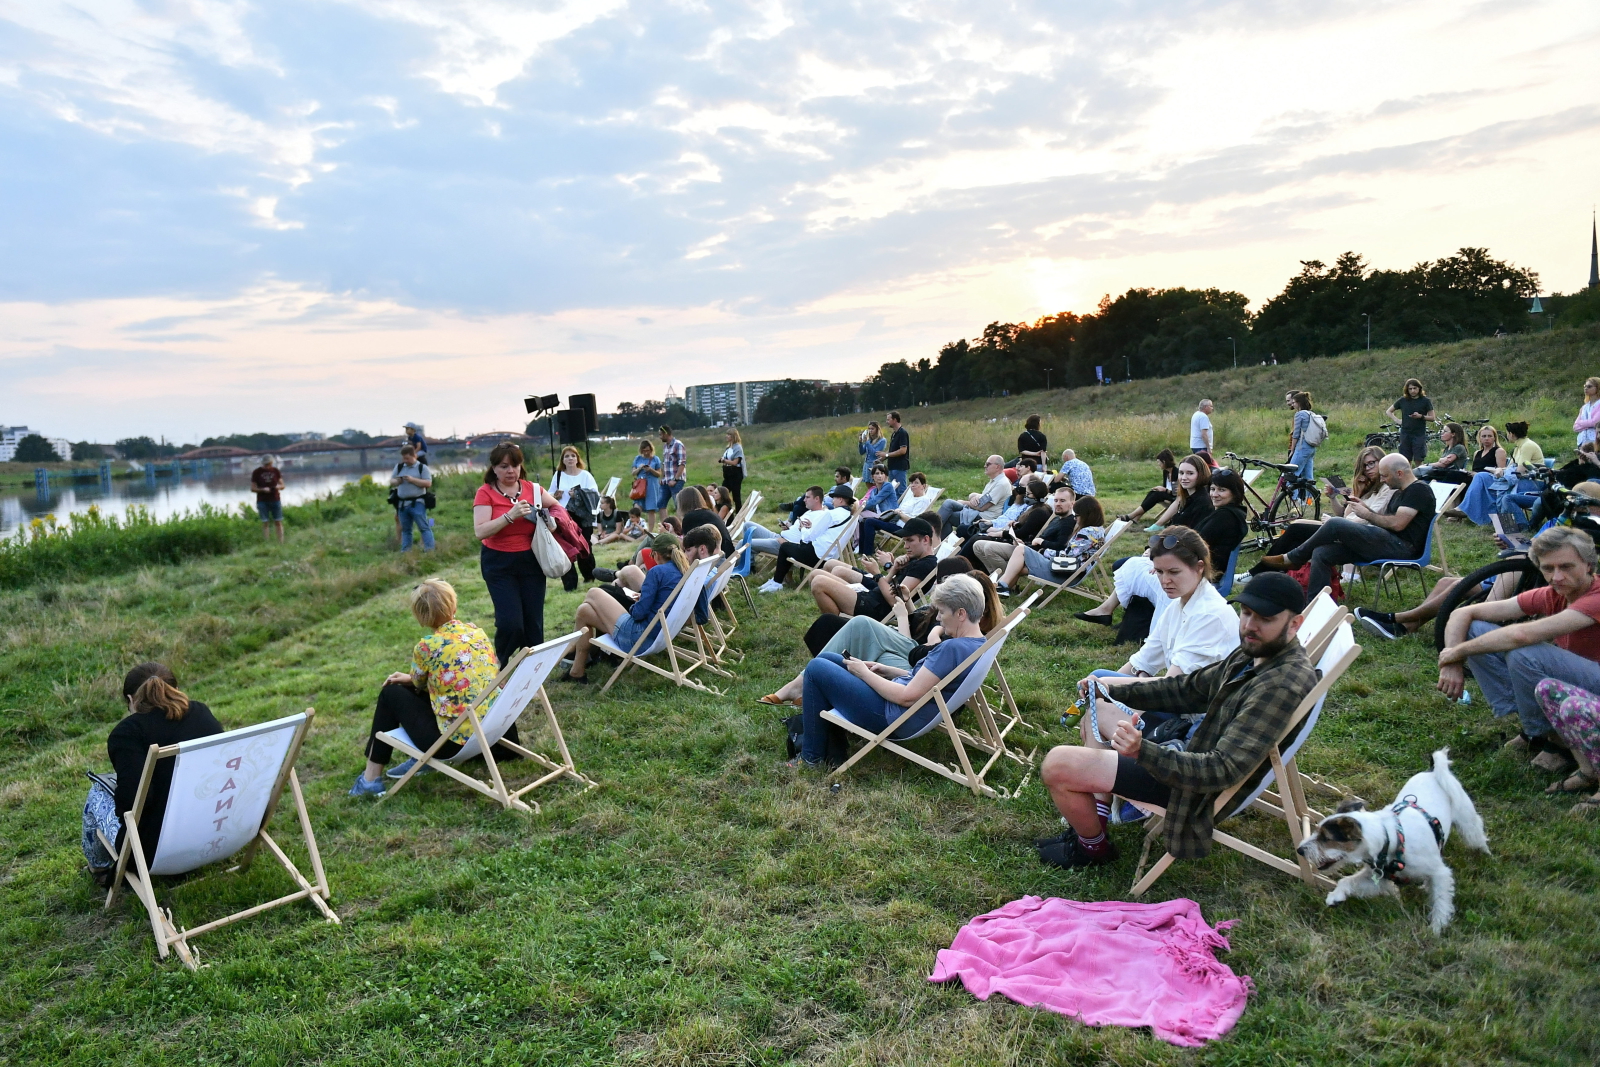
x=1403, y=843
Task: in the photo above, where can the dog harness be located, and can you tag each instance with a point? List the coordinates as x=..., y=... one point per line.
x=1393, y=866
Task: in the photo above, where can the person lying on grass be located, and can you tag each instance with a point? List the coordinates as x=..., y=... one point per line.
x=883, y=575
x=606, y=609
x=449, y=668
x=873, y=695
x=1247, y=701
x=900, y=640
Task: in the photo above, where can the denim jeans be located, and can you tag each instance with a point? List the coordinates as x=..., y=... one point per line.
x=1508, y=678
x=761, y=539
x=415, y=511
x=1305, y=457
x=868, y=530
x=901, y=480
x=827, y=683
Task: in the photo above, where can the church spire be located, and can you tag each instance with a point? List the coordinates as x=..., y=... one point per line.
x=1594, y=255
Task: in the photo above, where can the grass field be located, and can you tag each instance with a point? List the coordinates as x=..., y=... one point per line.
x=704, y=905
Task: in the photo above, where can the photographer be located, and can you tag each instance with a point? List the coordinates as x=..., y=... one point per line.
x=411, y=482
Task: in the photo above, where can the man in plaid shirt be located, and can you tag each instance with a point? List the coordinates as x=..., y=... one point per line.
x=674, y=463
x=1248, y=700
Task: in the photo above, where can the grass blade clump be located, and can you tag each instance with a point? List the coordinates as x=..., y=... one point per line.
x=95, y=544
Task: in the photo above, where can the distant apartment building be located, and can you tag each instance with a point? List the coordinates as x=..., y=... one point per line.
x=11, y=437
x=733, y=403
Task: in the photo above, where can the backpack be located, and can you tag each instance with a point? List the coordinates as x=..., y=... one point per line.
x=1316, y=431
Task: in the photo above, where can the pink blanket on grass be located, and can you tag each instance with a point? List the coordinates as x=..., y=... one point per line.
x=1106, y=963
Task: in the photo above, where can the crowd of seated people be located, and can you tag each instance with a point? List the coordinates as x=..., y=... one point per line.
x=820, y=523
x=914, y=502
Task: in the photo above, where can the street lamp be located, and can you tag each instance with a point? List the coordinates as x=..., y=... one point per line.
x=1235, y=353
x=1047, y=371
x=1369, y=330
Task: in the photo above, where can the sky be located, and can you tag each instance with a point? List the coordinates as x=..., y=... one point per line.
x=224, y=217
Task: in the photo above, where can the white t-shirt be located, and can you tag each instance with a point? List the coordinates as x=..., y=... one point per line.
x=562, y=484
x=1199, y=423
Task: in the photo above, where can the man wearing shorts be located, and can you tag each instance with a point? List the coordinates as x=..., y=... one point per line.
x=1247, y=701
x=267, y=481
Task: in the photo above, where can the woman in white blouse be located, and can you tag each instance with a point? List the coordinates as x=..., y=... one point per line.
x=1198, y=628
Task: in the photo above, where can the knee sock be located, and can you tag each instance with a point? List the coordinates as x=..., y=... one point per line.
x=1098, y=843
x=1102, y=808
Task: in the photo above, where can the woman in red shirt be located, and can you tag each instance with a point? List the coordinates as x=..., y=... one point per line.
x=502, y=518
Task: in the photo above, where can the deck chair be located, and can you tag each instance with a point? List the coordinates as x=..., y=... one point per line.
x=1089, y=574
x=225, y=789
x=516, y=687
x=991, y=734
x=1446, y=495
x=717, y=641
x=611, y=487
x=1288, y=801
x=1320, y=618
x=835, y=544
x=1251, y=475
x=670, y=620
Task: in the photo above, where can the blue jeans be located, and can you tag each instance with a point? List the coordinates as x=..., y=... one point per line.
x=516, y=586
x=415, y=511
x=828, y=684
x=762, y=539
x=900, y=479
x=1508, y=678
x=1304, y=457
x=869, y=529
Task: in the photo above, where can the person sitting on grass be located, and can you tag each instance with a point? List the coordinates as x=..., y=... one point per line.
x=798, y=543
x=1509, y=658
x=633, y=530
x=884, y=576
x=1076, y=473
x=158, y=714
x=1075, y=534
x=606, y=609
x=607, y=522
x=873, y=695
x=1493, y=489
x=954, y=514
x=1246, y=702
x=913, y=503
x=449, y=668
x=1574, y=713
x=1401, y=532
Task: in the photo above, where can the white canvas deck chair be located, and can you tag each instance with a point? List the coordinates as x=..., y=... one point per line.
x=1288, y=801
x=836, y=543
x=519, y=684
x=1089, y=580
x=225, y=789
x=670, y=620
x=1446, y=495
x=993, y=724
x=611, y=487
x=717, y=639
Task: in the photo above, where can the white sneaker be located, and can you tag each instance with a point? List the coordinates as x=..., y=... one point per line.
x=771, y=585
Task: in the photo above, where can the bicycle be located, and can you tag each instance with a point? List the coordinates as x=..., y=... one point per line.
x=1387, y=437
x=1513, y=561
x=1269, y=518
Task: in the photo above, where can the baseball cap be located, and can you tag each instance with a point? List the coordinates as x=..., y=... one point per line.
x=1269, y=594
x=917, y=528
x=665, y=542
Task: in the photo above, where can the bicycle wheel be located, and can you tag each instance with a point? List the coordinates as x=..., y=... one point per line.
x=1474, y=588
x=1286, y=509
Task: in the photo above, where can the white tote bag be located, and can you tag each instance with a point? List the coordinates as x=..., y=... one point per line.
x=552, y=560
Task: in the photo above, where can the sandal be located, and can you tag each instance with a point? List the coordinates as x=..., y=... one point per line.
x=775, y=701
x=1576, y=782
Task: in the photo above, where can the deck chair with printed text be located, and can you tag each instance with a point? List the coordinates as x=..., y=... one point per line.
x=225, y=790
x=518, y=685
x=993, y=725
x=1093, y=579
x=1287, y=801
x=671, y=619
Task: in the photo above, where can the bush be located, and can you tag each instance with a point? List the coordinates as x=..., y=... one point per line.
x=94, y=544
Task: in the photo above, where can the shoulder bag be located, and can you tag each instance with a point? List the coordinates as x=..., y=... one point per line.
x=552, y=559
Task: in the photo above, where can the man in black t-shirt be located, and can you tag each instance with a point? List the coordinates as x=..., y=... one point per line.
x=836, y=593
x=1400, y=532
x=1412, y=411
x=897, y=460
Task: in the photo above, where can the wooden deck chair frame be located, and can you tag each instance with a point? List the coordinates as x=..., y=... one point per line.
x=838, y=548
x=682, y=661
x=893, y=543
x=495, y=788
x=1089, y=574
x=1442, y=502
x=720, y=581
x=1287, y=802
x=991, y=735
x=169, y=937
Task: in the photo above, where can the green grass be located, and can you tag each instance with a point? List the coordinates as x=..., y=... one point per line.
x=704, y=906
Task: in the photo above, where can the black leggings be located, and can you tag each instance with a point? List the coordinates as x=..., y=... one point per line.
x=733, y=481
x=788, y=554
x=403, y=706
x=583, y=565
x=1157, y=496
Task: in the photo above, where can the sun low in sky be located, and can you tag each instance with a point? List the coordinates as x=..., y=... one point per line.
x=225, y=216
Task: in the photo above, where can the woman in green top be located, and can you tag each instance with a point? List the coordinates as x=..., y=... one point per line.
x=1452, y=465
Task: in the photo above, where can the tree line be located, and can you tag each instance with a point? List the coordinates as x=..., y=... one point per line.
x=1150, y=333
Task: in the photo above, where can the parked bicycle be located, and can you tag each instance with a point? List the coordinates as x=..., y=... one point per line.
x=1388, y=435
x=1293, y=497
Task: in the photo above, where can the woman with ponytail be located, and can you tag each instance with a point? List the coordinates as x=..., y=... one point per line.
x=606, y=609
x=159, y=713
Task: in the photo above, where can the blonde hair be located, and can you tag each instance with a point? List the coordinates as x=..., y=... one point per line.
x=731, y=432
x=433, y=602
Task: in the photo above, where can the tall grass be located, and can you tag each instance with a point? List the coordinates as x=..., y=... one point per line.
x=95, y=544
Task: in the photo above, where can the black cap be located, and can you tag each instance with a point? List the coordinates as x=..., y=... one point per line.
x=917, y=528
x=1271, y=593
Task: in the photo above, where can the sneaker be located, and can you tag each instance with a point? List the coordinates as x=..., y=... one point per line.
x=365, y=788
x=1069, y=834
x=1126, y=813
x=1376, y=624
x=399, y=769
x=604, y=574
x=1154, y=527
x=771, y=585
x=1070, y=853
x=1242, y=579
x=1002, y=589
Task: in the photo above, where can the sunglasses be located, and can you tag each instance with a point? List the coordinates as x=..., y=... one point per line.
x=1167, y=541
